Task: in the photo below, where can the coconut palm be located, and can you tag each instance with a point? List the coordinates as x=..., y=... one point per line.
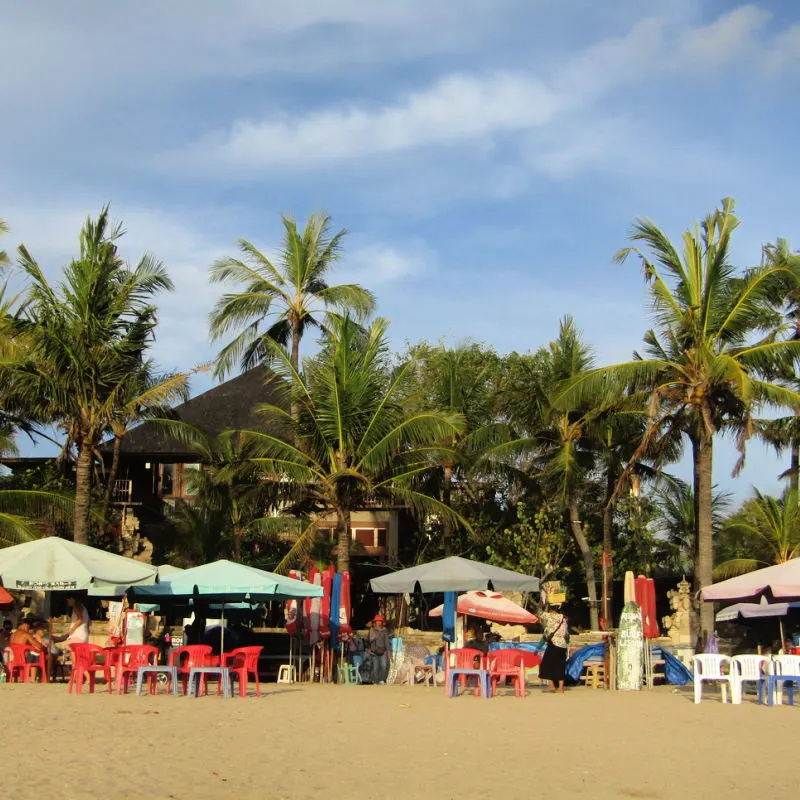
x=352, y=442
x=561, y=451
x=708, y=362
x=772, y=527
x=3, y=254
x=86, y=336
x=281, y=298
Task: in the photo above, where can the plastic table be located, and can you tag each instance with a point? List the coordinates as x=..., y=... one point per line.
x=774, y=684
x=196, y=674
x=454, y=673
x=172, y=672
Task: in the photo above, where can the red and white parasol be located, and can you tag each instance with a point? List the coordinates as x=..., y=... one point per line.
x=491, y=606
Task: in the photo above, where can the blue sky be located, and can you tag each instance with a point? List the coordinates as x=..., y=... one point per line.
x=488, y=158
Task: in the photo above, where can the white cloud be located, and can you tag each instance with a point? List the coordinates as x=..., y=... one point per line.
x=478, y=109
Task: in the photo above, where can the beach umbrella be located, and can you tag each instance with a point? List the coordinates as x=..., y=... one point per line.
x=490, y=606
x=6, y=600
x=345, y=609
x=336, y=593
x=56, y=564
x=645, y=597
x=754, y=611
x=454, y=574
x=325, y=621
x=225, y=582
x=777, y=583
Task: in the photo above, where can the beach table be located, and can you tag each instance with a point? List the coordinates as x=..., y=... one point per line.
x=197, y=676
x=155, y=670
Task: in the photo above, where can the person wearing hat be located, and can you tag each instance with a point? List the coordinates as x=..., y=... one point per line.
x=379, y=647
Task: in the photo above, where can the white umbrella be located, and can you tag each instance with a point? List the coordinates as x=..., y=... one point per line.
x=454, y=574
x=777, y=583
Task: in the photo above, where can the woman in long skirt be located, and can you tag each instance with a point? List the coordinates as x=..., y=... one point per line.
x=554, y=661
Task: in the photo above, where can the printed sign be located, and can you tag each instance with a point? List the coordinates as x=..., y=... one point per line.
x=46, y=586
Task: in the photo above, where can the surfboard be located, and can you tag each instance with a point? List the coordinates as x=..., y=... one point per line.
x=630, y=642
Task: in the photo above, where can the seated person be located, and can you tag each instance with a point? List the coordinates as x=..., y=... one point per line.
x=478, y=641
x=5, y=635
x=22, y=635
x=53, y=652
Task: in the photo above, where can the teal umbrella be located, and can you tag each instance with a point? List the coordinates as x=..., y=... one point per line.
x=55, y=564
x=225, y=582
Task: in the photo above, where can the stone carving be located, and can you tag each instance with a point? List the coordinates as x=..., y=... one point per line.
x=677, y=624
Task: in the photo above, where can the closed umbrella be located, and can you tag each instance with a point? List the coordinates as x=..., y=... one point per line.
x=490, y=606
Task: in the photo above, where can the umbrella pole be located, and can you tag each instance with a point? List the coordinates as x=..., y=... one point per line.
x=222, y=636
x=780, y=625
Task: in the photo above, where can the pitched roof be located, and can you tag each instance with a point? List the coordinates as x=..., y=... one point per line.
x=230, y=405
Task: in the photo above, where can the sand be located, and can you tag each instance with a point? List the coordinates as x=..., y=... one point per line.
x=393, y=742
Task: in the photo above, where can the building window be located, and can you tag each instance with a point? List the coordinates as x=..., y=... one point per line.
x=167, y=479
x=190, y=473
x=370, y=537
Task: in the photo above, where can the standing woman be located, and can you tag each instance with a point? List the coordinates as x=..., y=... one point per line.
x=554, y=661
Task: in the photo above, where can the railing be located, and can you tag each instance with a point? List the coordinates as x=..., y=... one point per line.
x=122, y=491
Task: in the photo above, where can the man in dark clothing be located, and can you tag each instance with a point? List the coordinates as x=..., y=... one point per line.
x=379, y=647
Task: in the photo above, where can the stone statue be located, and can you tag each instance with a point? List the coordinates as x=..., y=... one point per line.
x=677, y=624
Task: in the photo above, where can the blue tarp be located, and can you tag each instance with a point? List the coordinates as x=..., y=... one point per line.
x=531, y=647
x=575, y=661
x=675, y=671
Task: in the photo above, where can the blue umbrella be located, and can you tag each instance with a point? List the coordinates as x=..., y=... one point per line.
x=449, y=617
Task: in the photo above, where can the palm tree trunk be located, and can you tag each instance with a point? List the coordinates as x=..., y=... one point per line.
x=111, y=479
x=608, y=546
x=794, y=474
x=343, y=540
x=83, y=492
x=295, y=410
x=447, y=525
x=702, y=450
x=237, y=544
x=588, y=561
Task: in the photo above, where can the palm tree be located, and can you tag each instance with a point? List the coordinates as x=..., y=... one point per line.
x=139, y=395
x=561, y=450
x=708, y=361
x=3, y=254
x=281, y=298
x=86, y=336
x=352, y=441
x=771, y=525
x=462, y=380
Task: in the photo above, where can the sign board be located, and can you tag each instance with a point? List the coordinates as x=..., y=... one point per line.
x=630, y=644
x=134, y=627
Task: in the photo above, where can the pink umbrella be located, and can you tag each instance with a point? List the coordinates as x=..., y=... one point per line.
x=781, y=582
x=491, y=606
x=344, y=604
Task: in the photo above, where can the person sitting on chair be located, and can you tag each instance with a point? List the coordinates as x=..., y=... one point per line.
x=22, y=635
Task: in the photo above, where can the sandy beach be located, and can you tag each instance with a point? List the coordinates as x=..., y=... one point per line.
x=392, y=742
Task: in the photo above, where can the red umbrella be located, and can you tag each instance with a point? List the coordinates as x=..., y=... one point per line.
x=325, y=610
x=344, y=604
x=491, y=606
x=646, y=600
x=6, y=600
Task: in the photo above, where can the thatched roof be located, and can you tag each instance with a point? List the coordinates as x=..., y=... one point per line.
x=230, y=405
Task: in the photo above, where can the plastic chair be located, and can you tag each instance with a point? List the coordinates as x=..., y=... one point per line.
x=130, y=659
x=187, y=658
x=463, y=664
x=708, y=667
x=84, y=661
x=19, y=665
x=241, y=662
x=504, y=664
x=785, y=672
x=747, y=669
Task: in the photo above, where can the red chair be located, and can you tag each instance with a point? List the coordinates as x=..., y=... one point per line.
x=191, y=655
x=504, y=664
x=85, y=661
x=19, y=666
x=241, y=662
x=466, y=658
x=130, y=659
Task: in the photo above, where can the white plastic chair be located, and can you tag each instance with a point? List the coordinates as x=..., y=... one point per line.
x=708, y=667
x=746, y=669
x=784, y=665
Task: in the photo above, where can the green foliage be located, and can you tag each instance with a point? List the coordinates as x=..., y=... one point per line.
x=536, y=545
